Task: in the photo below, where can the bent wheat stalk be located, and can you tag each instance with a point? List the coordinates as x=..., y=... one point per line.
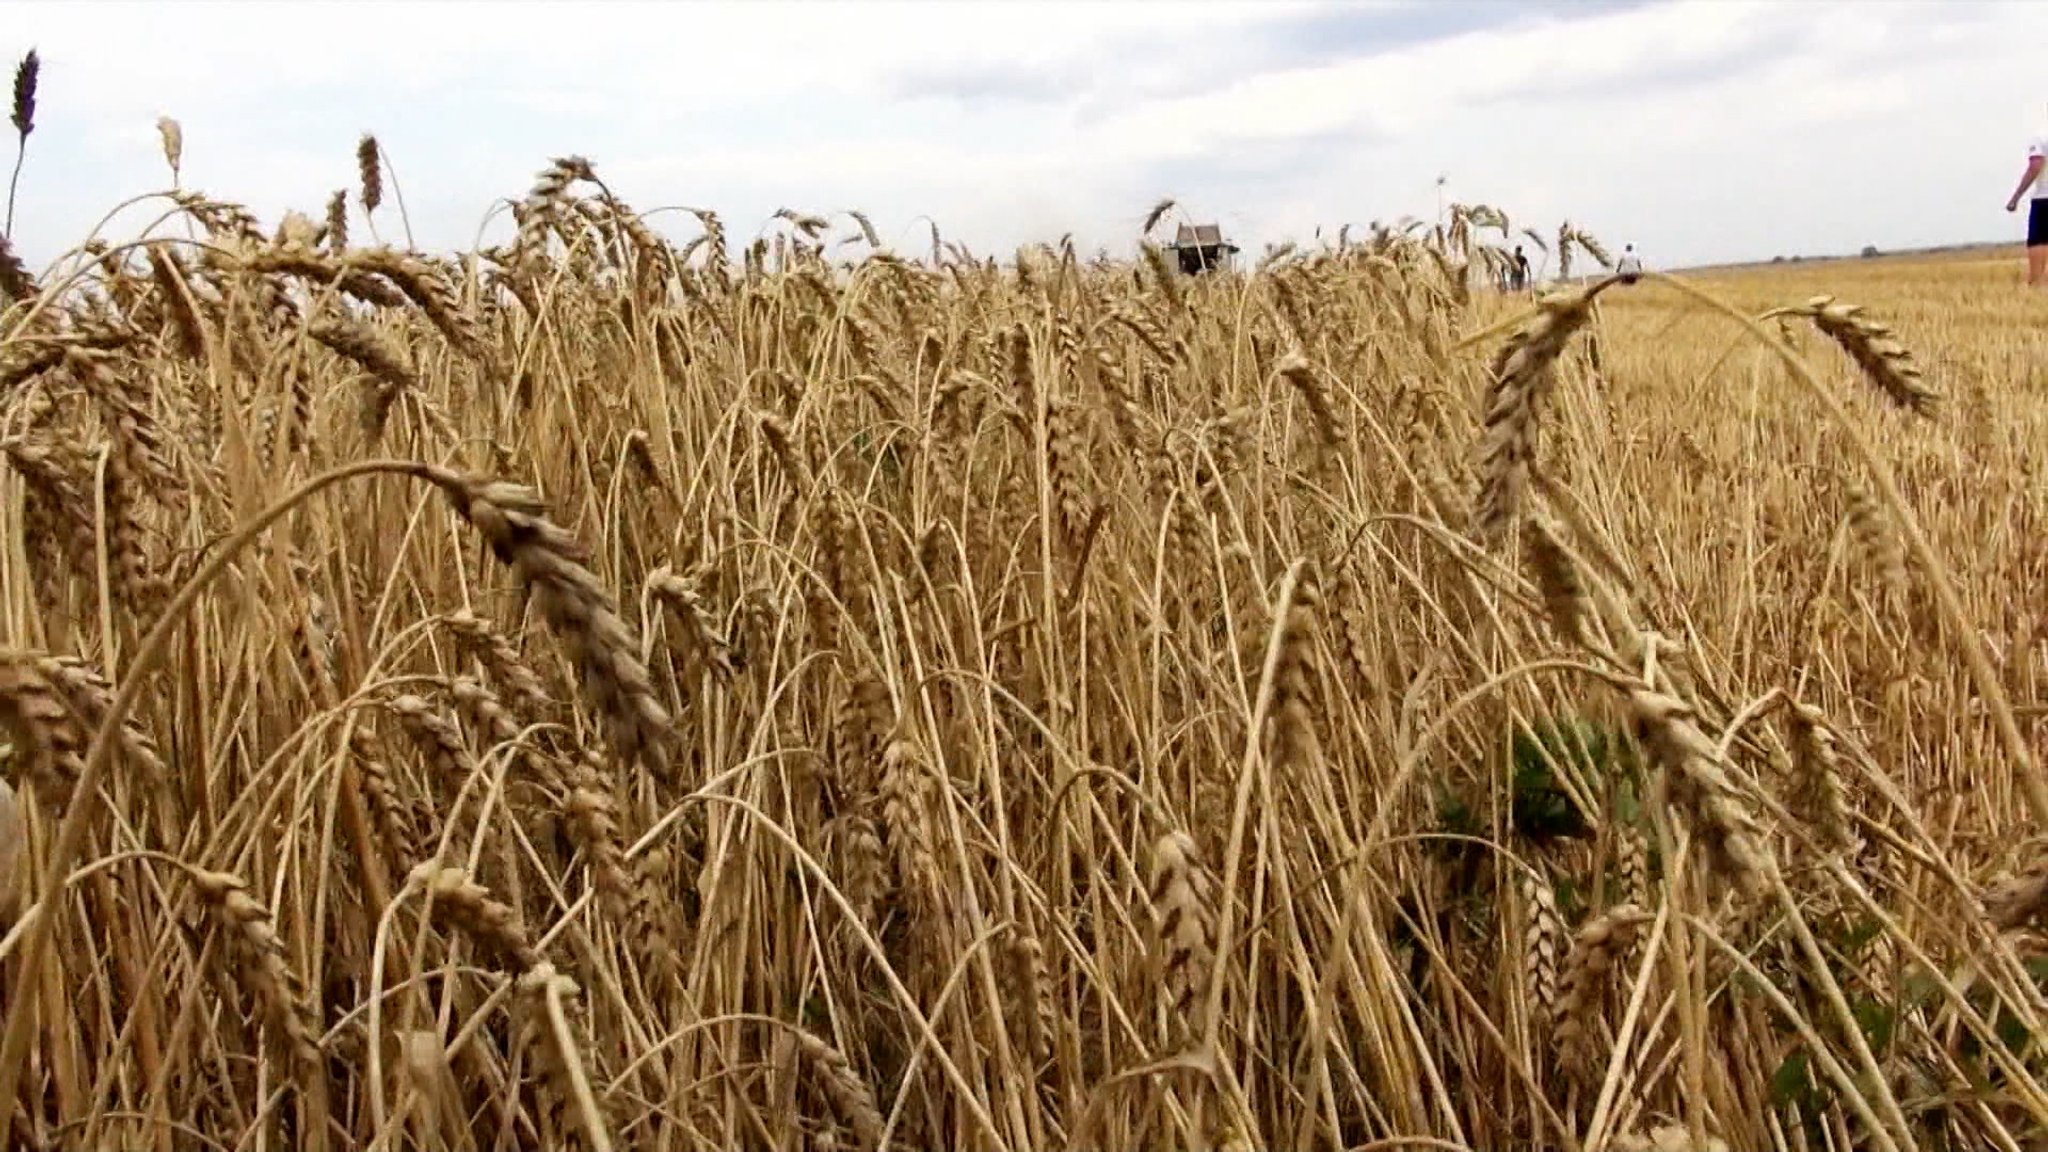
x=1983, y=676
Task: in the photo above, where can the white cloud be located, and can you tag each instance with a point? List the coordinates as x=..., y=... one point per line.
x=1703, y=129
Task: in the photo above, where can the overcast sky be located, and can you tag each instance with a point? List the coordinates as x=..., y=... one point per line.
x=1699, y=129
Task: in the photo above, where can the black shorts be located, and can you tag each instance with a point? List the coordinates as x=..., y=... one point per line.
x=2037, y=223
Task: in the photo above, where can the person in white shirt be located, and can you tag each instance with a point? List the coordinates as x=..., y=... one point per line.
x=1630, y=266
x=2037, y=212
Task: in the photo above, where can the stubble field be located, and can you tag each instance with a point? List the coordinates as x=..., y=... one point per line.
x=773, y=693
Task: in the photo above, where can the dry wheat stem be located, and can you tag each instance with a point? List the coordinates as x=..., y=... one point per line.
x=154, y=646
x=1015, y=606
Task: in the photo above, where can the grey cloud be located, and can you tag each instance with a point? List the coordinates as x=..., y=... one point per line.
x=1341, y=33
x=1660, y=75
x=1221, y=180
x=1170, y=62
x=1346, y=33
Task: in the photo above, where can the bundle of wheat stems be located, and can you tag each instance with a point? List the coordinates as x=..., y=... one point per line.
x=600, y=691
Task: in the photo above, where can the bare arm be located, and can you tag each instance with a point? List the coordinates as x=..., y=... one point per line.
x=2034, y=164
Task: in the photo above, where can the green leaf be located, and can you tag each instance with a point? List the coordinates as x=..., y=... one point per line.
x=1875, y=1020
x=2037, y=971
x=2012, y=1032
x=1860, y=935
x=1793, y=1083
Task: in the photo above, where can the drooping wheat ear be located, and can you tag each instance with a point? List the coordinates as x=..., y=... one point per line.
x=429, y=289
x=549, y=561
x=1592, y=247
x=392, y=816
x=482, y=640
x=1884, y=361
x=1702, y=789
x=367, y=348
x=1877, y=542
x=1543, y=941
x=1023, y=373
x=1356, y=632
x=851, y=1097
x=493, y=724
x=547, y=1033
x=639, y=451
x=1158, y=213
x=1818, y=796
x=265, y=970
x=437, y=737
x=593, y=824
x=2022, y=900
x=172, y=135
x=546, y=205
x=462, y=905
x=1182, y=919
x=371, y=170
x=867, y=228
x=126, y=410
x=1599, y=944
x=836, y=525
x=57, y=511
x=48, y=738
x=13, y=857
x=1522, y=374
x=1566, y=603
x=1147, y=330
x=681, y=596
x=1295, y=369
x=90, y=695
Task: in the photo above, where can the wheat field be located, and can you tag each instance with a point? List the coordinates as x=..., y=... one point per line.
x=772, y=692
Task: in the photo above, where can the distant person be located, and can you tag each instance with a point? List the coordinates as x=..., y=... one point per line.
x=1520, y=274
x=2037, y=212
x=1630, y=267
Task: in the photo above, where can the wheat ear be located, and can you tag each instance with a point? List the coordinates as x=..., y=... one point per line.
x=513, y=521
x=1522, y=374
x=1885, y=362
x=1595, y=948
x=545, y=993
x=269, y=974
x=1702, y=788
x=1181, y=914
x=462, y=905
